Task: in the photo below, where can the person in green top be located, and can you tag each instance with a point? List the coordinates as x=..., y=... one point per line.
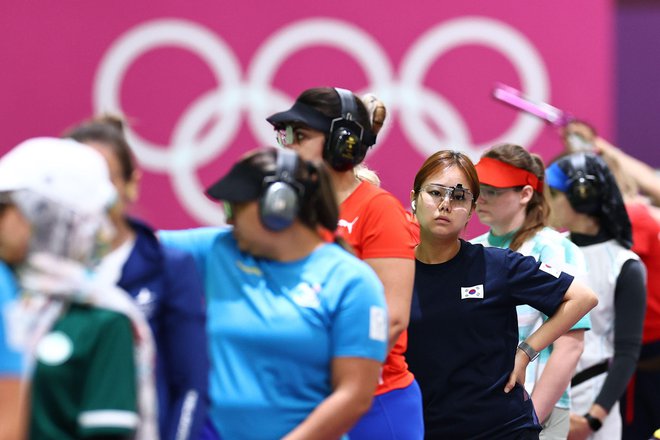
x=87, y=346
x=512, y=203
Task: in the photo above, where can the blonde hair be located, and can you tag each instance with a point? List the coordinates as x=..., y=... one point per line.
x=377, y=111
x=364, y=173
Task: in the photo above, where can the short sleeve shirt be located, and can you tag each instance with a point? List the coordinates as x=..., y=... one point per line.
x=274, y=328
x=375, y=224
x=84, y=383
x=463, y=335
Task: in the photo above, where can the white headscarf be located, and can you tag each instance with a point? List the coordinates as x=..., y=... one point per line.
x=49, y=283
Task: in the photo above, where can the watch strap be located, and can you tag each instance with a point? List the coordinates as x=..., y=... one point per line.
x=528, y=350
x=594, y=423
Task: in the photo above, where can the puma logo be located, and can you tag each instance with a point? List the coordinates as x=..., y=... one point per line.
x=346, y=224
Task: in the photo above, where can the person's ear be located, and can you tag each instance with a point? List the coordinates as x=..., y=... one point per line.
x=526, y=194
x=413, y=202
x=133, y=186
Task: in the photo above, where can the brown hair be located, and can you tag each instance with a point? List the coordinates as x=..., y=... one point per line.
x=442, y=160
x=537, y=209
x=109, y=130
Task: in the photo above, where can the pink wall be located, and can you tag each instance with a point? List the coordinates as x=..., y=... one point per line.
x=197, y=79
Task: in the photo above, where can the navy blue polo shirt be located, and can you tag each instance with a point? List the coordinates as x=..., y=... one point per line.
x=463, y=335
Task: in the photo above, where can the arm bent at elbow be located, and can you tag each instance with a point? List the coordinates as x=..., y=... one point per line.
x=578, y=300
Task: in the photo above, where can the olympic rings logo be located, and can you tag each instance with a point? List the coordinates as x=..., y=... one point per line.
x=254, y=96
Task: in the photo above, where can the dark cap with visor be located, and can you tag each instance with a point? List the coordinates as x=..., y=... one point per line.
x=309, y=116
x=304, y=114
x=243, y=183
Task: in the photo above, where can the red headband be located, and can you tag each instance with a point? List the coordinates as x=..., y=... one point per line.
x=502, y=175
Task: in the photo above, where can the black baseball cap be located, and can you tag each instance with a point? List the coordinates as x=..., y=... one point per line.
x=304, y=114
x=243, y=183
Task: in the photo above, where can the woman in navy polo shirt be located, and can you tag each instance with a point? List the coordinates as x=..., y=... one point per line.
x=463, y=329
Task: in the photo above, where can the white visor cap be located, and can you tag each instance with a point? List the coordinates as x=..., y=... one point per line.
x=62, y=170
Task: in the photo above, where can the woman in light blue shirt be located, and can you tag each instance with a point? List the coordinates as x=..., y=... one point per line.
x=297, y=326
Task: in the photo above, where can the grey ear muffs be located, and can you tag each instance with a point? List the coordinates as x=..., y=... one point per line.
x=280, y=200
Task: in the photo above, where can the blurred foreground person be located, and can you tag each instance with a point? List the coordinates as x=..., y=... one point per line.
x=165, y=285
x=89, y=350
x=12, y=404
x=297, y=326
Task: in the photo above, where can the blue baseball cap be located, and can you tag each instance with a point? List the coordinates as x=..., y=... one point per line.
x=556, y=178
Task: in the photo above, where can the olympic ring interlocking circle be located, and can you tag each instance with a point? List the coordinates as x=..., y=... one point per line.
x=253, y=94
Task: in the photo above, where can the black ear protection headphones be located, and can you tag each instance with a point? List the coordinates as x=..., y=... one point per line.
x=583, y=190
x=345, y=146
x=280, y=199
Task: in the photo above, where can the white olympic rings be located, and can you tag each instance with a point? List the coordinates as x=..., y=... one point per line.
x=407, y=96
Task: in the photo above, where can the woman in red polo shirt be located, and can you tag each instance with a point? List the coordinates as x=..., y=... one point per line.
x=335, y=126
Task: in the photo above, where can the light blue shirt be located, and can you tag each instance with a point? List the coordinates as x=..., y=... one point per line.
x=10, y=360
x=553, y=248
x=274, y=329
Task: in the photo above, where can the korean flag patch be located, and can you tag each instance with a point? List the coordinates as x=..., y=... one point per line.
x=474, y=292
x=550, y=269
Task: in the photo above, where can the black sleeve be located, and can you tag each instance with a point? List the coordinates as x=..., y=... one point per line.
x=629, y=309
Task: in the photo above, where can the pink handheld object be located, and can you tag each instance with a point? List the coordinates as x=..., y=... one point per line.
x=542, y=110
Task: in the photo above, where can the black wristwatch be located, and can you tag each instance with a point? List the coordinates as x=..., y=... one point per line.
x=594, y=423
x=528, y=350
